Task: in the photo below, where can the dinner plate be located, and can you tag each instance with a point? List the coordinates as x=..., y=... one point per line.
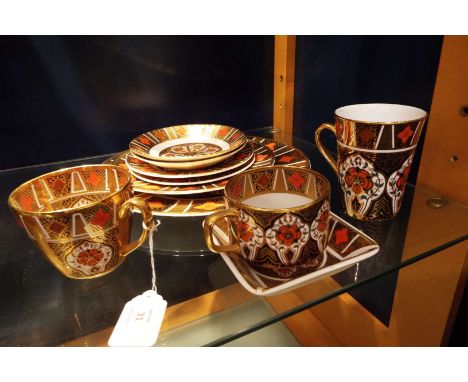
x=144, y=167
x=346, y=247
x=187, y=143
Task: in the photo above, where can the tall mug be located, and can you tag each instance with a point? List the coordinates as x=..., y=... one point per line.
x=375, y=146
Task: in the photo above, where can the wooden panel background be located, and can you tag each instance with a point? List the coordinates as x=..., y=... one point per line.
x=444, y=164
x=283, y=102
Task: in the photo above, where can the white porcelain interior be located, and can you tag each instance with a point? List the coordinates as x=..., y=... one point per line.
x=380, y=112
x=156, y=150
x=275, y=200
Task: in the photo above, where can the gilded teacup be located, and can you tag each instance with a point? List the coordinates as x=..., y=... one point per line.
x=81, y=218
x=279, y=219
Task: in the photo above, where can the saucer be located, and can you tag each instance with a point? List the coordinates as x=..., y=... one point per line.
x=191, y=164
x=187, y=143
x=144, y=167
x=192, y=181
x=347, y=246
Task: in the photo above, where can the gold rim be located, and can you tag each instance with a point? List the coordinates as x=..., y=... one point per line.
x=241, y=141
x=382, y=123
x=68, y=210
x=278, y=210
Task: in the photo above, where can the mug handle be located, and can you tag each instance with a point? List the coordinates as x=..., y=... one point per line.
x=321, y=147
x=210, y=222
x=148, y=223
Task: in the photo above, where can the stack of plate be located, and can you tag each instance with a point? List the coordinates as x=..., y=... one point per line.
x=182, y=170
x=188, y=147
x=191, y=159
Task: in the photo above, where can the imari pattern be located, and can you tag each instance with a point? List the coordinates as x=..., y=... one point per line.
x=251, y=234
x=373, y=183
x=346, y=247
x=163, y=202
x=177, y=206
x=276, y=243
x=201, y=134
x=90, y=258
x=242, y=157
x=360, y=182
x=378, y=136
x=285, y=155
x=397, y=182
x=319, y=227
x=287, y=237
x=193, y=181
x=84, y=218
x=190, y=150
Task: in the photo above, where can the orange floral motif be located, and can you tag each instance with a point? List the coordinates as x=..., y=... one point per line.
x=286, y=159
x=401, y=182
x=94, y=179
x=160, y=135
x=359, y=180
x=223, y=132
x=244, y=230
x=90, y=257
x=26, y=202
x=58, y=185
x=145, y=140
x=100, y=218
x=271, y=146
x=405, y=134
x=341, y=236
x=296, y=180
x=288, y=234
x=260, y=157
x=323, y=221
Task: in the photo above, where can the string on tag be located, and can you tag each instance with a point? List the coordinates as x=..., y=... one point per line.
x=153, y=269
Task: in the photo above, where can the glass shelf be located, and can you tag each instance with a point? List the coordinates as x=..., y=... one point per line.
x=206, y=304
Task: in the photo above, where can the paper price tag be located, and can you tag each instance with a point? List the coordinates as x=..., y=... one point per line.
x=140, y=321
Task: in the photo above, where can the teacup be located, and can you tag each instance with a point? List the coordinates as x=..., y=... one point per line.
x=376, y=145
x=278, y=218
x=81, y=218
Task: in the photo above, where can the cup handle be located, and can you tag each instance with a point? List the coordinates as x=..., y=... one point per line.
x=148, y=223
x=321, y=147
x=210, y=222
